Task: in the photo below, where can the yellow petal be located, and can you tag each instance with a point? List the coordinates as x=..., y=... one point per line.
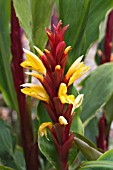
x=62, y=94
x=73, y=67
x=77, y=102
x=38, y=76
x=32, y=62
x=78, y=73
x=62, y=120
x=42, y=128
x=35, y=91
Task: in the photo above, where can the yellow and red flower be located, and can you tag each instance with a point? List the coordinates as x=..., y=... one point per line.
x=49, y=70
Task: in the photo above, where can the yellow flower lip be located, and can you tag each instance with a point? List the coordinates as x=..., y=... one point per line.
x=62, y=94
x=70, y=99
x=62, y=120
x=77, y=102
x=73, y=67
x=76, y=70
x=32, y=62
x=36, y=91
x=42, y=128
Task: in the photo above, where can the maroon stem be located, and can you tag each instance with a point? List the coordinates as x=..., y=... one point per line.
x=108, y=37
x=101, y=139
x=30, y=148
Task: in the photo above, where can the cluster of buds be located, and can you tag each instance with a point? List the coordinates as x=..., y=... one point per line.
x=54, y=89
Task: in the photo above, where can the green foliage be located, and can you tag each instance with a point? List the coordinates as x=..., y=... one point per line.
x=5, y=168
x=97, y=90
x=34, y=16
x=6, y=80
x=75, y=13
x=84, y=17
x=104, y=162
x=86, y=147
x=48, y=149
x=10, y=155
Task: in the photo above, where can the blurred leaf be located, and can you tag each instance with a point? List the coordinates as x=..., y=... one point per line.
x=34, y=16
x=77, y=125
x=5, y=168
x=19, y=158
x=42, y=114
x=47, y=147
x=6, y=80
x=91, y=129
x=107, y=156
x=86, y=147
x=84, y=17
x=109, y=110
x=97, y=90
x=104, y=162
x=75, y=13
x=94, y=165
x=9, y=154
x=6, y=141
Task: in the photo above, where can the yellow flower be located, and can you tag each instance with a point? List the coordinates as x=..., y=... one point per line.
x=42, y=128
x=77, y=102
x=62, y=120
x=76, y=70
x=35, y=91
x=62, y=94
x=32, y=62
x=70, y=99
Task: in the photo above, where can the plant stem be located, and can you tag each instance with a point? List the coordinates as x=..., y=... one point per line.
x=30, y=148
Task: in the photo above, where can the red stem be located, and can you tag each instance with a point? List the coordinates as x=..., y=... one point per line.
x=101, y=139
x=30, y=148
x=108, y=37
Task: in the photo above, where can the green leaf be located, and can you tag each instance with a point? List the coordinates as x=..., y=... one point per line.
x=6, y=141
x=86, y=147
x=98, y=10
x=2, y=167
x=108, y=156
x=48, y=149
x=97, y=165
x=109, y=110
x=91, y=129
x=19, y=158
x=34, y=16
x=77, y=125
x=6, y=80
x=9, y=153
x=103, y=162
x=42, y=114
x=84, y=18
x=75, y=13
x=97, y=90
